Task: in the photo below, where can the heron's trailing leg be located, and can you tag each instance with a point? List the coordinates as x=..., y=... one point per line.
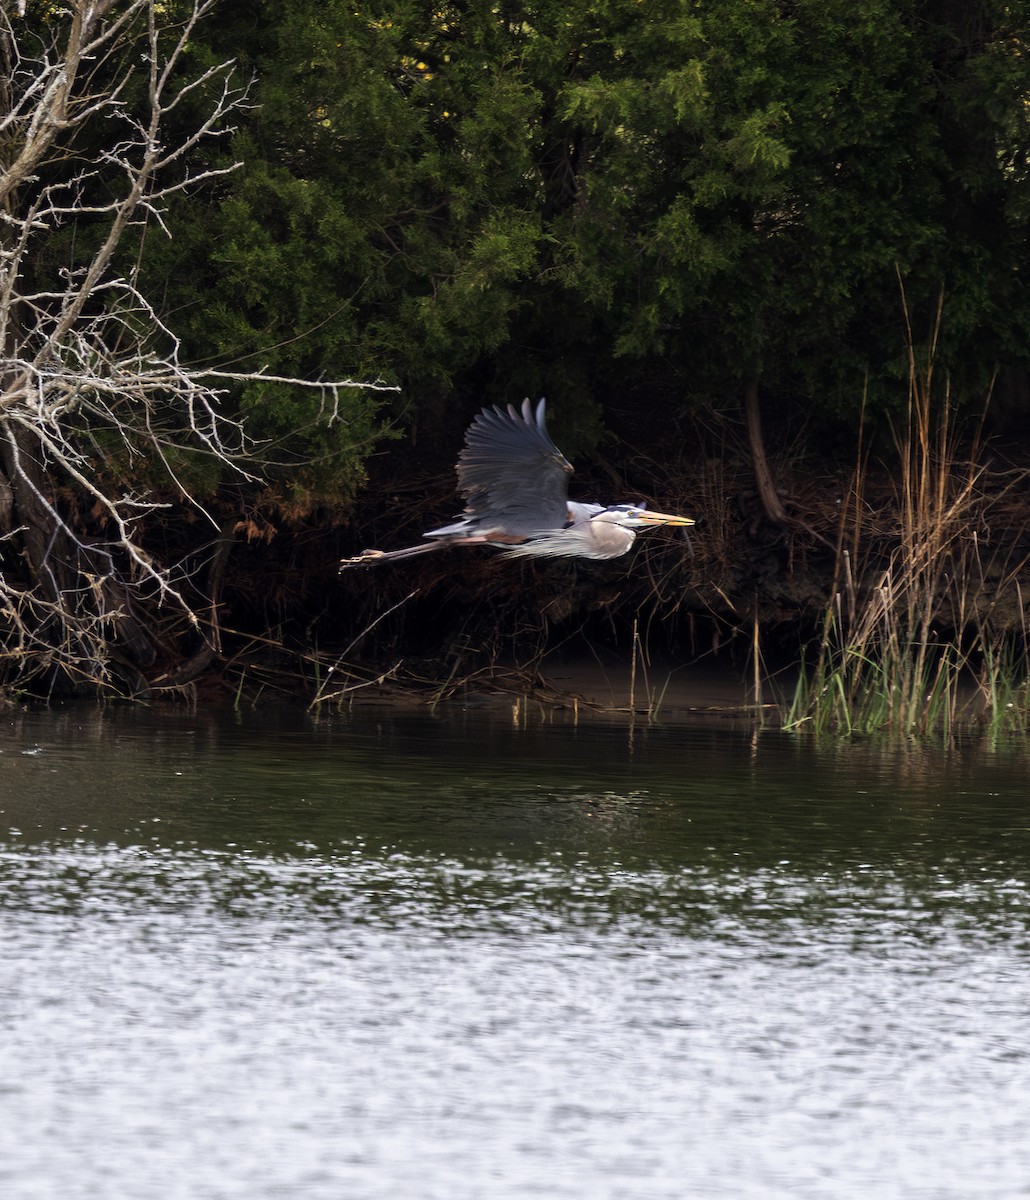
x=369, y=558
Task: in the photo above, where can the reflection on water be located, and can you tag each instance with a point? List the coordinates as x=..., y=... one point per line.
x=410, y=957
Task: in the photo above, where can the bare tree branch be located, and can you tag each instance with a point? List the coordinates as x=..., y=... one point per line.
x=87, y=367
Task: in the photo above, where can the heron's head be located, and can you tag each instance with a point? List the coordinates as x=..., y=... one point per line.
x=637, y=516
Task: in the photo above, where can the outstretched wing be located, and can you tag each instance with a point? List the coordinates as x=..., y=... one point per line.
x=513, y=478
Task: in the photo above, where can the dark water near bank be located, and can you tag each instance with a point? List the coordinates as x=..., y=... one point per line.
x=408, y=957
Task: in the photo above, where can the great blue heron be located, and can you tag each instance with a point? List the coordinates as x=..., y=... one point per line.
x=514, y=481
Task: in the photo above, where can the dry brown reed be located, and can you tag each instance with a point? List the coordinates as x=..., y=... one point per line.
x=909, y=640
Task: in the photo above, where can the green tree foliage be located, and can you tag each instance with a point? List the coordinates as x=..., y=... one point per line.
x=761, y=173
x=491, y=199
x=363, y=229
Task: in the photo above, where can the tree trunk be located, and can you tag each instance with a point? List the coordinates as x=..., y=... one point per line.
x=771, y=502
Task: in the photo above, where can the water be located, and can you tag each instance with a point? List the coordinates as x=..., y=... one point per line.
x=411, y=957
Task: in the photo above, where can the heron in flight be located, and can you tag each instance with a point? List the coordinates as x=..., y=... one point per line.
x=514, y=481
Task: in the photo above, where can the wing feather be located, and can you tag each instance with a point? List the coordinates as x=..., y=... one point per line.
x=513, y=478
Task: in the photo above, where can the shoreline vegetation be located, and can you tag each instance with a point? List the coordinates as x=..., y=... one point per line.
x=916, y=624
x=922, y=629
x=769, y=267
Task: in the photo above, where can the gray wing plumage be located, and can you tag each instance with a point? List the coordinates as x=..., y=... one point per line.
x=511, y=475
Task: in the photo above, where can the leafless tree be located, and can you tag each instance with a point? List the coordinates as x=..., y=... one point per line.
x=89, y=373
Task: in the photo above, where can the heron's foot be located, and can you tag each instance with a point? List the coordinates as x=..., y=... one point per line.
x=363, y=559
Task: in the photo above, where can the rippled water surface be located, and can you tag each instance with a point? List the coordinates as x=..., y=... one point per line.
x=262, y=956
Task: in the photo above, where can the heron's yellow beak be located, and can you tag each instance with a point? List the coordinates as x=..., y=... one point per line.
x=646, y=517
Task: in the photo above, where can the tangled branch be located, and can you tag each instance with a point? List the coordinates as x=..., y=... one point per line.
x=88, y=370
